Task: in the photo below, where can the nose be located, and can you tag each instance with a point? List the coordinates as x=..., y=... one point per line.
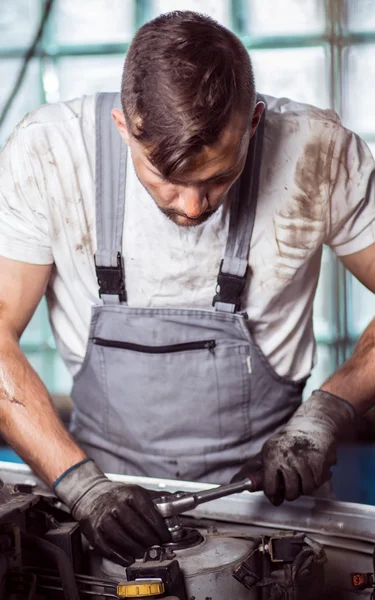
x=192, y=201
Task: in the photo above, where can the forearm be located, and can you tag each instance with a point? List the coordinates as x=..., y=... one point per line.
x=28, y=420
x=355, y=379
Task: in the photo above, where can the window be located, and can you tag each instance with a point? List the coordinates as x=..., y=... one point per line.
x=316, y=51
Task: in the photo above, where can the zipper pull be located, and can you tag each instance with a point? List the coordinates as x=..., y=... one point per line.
x=210, y=345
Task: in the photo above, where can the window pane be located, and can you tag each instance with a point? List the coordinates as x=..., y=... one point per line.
x=28, y=97
x=300, y=74
x=93, y=21
x=19, y=20
x=267, y=17
x=37, y=341
x=51, y=370
x=362, y=307
x=359, y=113
x=90, y=74
x=38, y=330
x=60, y=380
x=218, y=10
x=324, y=367
x=361, y=15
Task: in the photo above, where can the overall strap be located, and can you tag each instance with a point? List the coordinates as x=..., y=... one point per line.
x=243, y=202
x=110, y=174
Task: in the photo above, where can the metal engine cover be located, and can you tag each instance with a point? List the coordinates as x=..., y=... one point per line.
x=207, y=568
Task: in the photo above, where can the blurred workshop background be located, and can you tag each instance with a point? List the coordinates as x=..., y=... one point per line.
x=316, y=51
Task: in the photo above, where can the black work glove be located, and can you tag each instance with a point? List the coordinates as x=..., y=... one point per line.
x=252, y=468
x=297, y=459
x=120, y=520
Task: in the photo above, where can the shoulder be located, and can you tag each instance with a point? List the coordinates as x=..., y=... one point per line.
x=59, y=135
x=306, y=133
x=60, y=112
x=314, y=136
x=296, y=116
x=308, y=141
x=58, y=118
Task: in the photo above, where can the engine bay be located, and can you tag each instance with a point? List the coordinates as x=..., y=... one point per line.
x=235, y=547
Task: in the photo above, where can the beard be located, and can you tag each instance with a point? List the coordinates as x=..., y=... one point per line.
x=183, y=220
x=180, y=218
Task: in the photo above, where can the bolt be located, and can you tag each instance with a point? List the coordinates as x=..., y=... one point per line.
x=212, y=530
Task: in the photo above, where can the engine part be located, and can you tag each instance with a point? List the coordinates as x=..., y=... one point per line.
x=235, y=528
x=251, y=566
x=285, y=567
x=168, y=572
x=151, y=588
x=363, y=581
x=207, y=569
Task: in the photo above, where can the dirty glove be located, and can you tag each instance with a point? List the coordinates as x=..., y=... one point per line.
x=120, y=520
x=252, y=468
x=297, y=459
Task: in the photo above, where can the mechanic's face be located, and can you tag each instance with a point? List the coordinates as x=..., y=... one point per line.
x=191, y=198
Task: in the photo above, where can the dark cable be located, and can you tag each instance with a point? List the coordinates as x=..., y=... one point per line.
x=38, y=579
x=51, y=574
x=88, y=592
x=64, y=566
x=28, y=56
x=32, y=589
x=36, y=585
x=3, y=573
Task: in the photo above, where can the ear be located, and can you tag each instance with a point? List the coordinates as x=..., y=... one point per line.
x=119, y=119
x=258, y=111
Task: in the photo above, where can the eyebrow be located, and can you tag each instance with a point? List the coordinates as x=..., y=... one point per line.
x=218, y=176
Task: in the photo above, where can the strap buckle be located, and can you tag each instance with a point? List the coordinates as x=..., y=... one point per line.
x=111, y=280
x=229, y=288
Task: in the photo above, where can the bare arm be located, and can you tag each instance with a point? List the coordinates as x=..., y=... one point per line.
x=355, y=380
x=28, y=420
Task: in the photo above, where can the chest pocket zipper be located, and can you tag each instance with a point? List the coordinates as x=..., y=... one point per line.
x=201, y=345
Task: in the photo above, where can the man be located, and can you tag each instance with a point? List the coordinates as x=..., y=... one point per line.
x=194, y=176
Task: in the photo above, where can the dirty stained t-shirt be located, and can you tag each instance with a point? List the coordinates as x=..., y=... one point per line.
x=316, y=188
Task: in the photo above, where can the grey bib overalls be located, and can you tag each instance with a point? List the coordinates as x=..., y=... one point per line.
x=173, y=393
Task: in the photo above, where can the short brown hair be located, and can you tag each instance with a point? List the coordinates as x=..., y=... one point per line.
x=184, y=77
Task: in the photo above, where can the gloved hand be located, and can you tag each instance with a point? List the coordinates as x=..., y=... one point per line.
x=120, y=520
x=297, y=459
x=251, y=468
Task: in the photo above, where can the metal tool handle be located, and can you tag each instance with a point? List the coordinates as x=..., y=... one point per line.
x=174, y=505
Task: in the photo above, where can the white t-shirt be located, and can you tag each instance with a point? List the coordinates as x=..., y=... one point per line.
x=313, y=190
